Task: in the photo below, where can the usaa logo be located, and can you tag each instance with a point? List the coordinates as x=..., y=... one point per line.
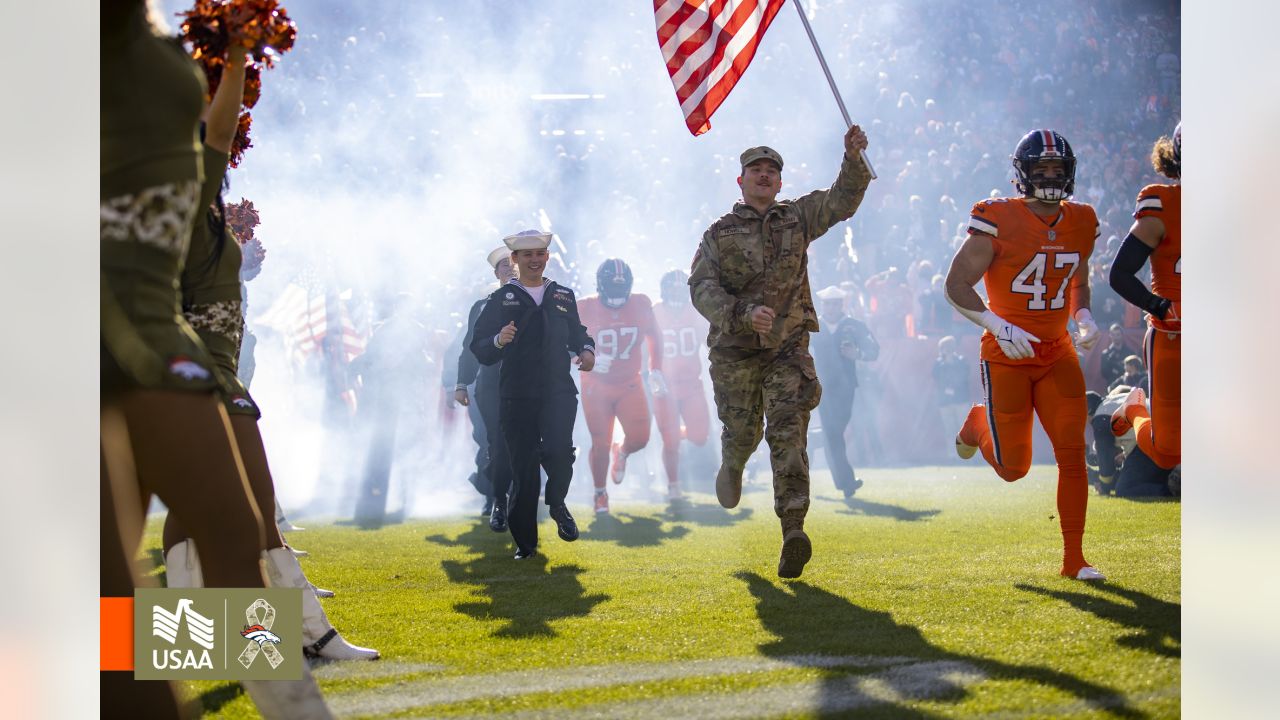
x=168, y=626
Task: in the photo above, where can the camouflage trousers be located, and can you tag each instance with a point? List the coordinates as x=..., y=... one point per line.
x=769, y=393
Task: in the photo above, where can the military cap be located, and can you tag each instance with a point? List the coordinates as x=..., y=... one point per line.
x=762, y=152
x=528, y=240
x=831, y=292
x=496, y=256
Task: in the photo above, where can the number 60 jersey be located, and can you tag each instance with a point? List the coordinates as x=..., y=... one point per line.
x=1035, y=263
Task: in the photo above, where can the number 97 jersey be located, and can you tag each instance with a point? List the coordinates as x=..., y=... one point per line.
x=1035, y=263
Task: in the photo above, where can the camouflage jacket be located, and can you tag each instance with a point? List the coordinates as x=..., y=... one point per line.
x=746, y=260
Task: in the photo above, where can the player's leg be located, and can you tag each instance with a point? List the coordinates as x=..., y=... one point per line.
x=693, y=411
x=1001, y=426
x=633, y=415
x=791, y=392
x=599, y=407
x=1059, y=400
x=666, y=413
x=1160, y=434
x=735, y=381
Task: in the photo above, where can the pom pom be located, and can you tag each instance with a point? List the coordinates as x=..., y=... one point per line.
x=242, y=217
x=241, y=141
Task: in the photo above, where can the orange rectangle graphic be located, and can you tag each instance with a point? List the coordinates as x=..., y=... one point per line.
x=115, y=630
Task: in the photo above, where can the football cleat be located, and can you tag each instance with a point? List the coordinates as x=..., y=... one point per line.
x=619, y=464
x=287, y=527
x=1090, y=573
x=970, y=433
x=673, y=491
x=602, y=503
x=321, y=592
x=1120, y=418
x=298, y=553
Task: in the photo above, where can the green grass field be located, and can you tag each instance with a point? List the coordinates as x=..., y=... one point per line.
x=934, y=593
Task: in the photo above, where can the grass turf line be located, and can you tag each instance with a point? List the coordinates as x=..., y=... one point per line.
x=949, y=570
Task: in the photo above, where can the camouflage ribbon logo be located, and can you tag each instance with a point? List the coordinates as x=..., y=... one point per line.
x=258, y=632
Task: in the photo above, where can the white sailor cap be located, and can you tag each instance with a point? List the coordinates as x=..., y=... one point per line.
x=528, y=240
x=831, y=292
x=496, y=256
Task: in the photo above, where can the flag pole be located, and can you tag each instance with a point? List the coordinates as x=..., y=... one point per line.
x=834, y=90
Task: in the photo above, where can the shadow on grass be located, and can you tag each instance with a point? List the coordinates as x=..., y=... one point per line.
x=1158, y=622
x=214, y=699
x=527, y=595
x=868, y=660
x=478, y=539
x=630, y=530
x=704, y=513
x=858, y=506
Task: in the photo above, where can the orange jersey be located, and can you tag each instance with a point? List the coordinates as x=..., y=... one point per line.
x=684, y=335
x=1029, y=279
x=1165, y=202
x=619, y=333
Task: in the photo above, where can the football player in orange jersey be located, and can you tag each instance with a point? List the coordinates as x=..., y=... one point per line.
x=620, y=321
x=684, y=333
x=1032, y=255
x=1157, y=234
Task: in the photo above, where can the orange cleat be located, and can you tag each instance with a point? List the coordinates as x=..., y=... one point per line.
x=602, y=503
x=1120, y=418
x=619, y=464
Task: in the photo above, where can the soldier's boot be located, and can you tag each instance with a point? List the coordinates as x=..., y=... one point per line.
x=796, y=548
x=275, y=699
x=729, y=485
x=319, y=637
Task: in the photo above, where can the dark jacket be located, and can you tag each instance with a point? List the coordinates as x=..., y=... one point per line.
x=469, y=368
x=536, y=363
x=834, y=369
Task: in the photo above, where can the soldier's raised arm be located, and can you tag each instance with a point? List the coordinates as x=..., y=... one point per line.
x=713, y=302
x=823, y=208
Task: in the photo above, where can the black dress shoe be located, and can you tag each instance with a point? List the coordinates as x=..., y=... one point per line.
x=498, y=518
x=522, y=554
x=565, y=526
x=488, y=507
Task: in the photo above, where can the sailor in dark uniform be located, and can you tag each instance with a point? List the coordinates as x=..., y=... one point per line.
x=492, y=462
x=531, y=326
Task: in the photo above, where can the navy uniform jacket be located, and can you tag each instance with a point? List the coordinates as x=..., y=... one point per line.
x=469, y=369
x=536, y=363
x=835, y=370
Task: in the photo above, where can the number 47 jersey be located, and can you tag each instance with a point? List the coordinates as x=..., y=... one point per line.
x=1035, y=263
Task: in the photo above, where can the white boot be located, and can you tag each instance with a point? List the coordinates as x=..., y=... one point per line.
x=318, y=634
x=276, y=699
x=288, y=699
x=182, y=566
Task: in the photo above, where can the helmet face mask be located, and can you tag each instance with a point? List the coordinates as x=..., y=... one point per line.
x=1036, y=146
x=613, y=282
x=674, y=288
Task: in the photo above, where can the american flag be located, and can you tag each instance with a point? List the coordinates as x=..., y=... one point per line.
x=300, y=315
x=707, y=45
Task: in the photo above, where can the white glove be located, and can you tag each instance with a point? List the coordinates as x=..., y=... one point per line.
x=1014, y=342
x=603, y=361
x=1088, y=329
x=657, y=383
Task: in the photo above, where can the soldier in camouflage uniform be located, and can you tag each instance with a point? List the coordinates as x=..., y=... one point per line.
x=750, y=280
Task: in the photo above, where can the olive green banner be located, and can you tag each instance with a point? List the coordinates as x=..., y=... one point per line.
x=217, y=634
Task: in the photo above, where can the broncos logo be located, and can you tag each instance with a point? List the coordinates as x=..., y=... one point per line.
x=188, y=369
x=260, y=635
